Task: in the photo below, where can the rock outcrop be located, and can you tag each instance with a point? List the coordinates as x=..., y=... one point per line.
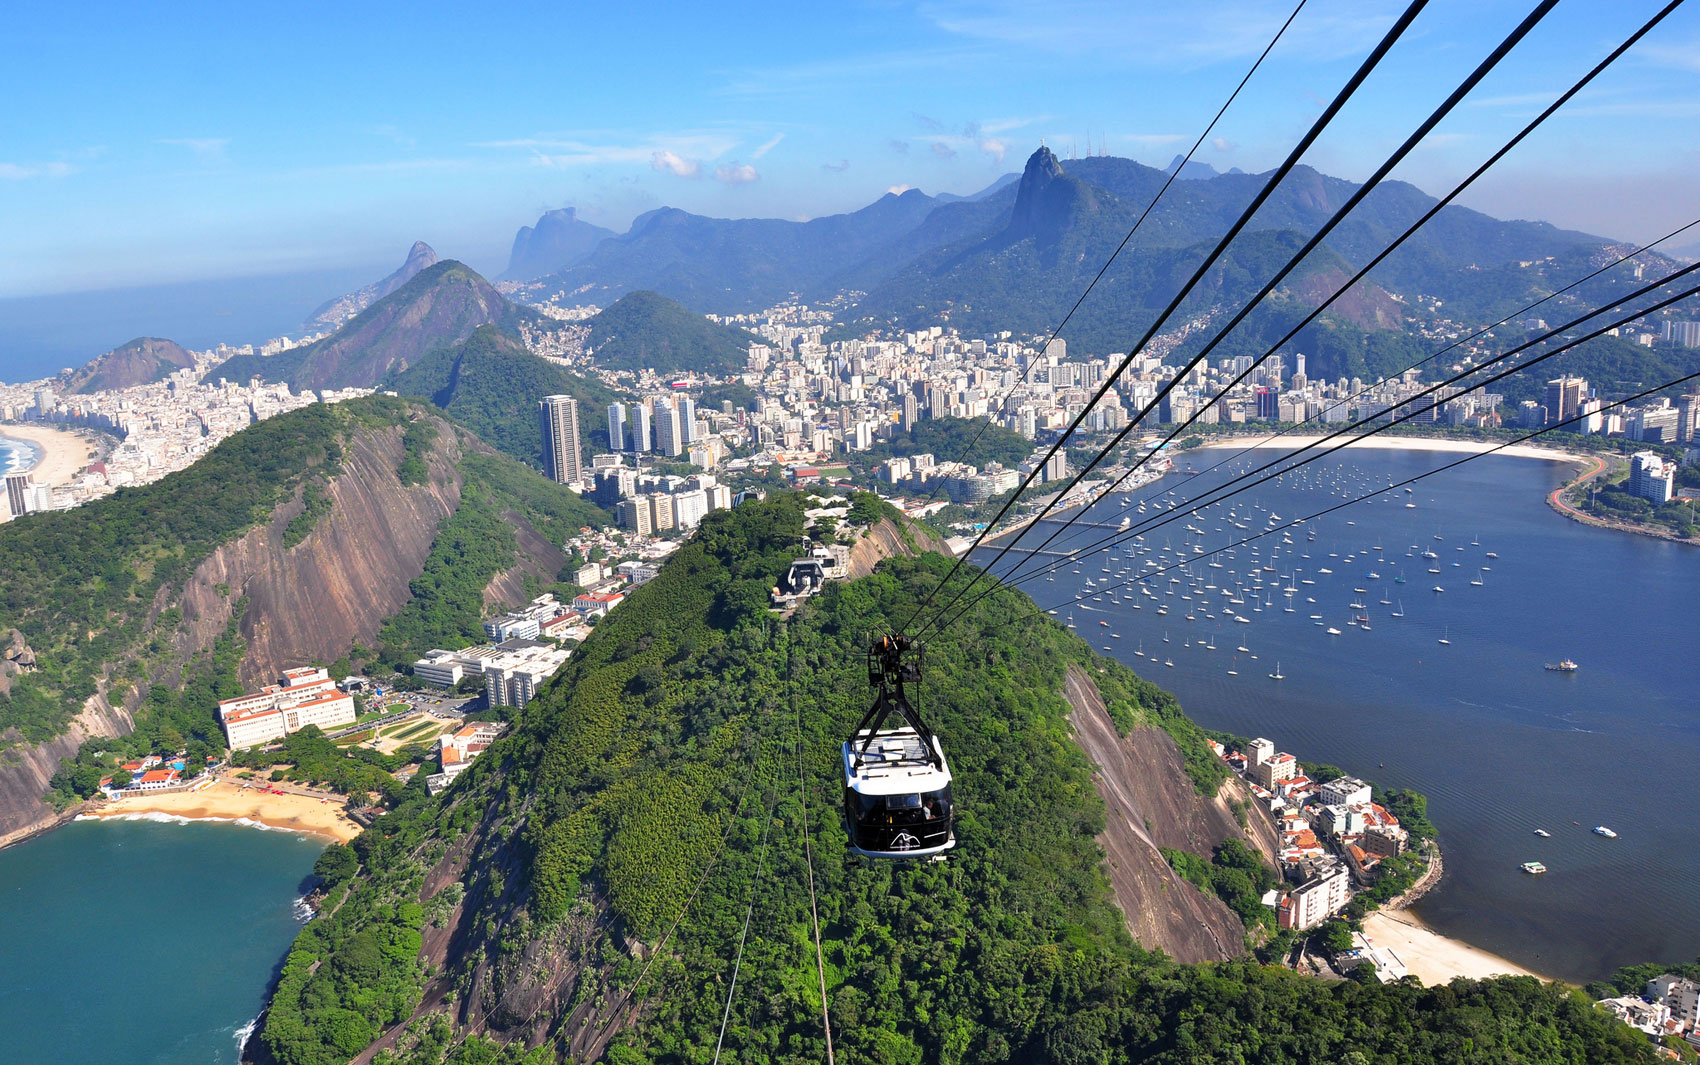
x=142, y=361
x=1151, y=804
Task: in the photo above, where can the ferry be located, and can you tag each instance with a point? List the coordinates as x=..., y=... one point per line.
x=1601, y=830
x=1566, y=666
x=1534, y=867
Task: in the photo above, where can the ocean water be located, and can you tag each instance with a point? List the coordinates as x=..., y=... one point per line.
x=16, y=455
x=1500, y=745
x=144, y=942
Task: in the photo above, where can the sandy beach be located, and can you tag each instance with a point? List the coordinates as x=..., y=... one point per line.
x=228, y=801
x=1405, y=443
x=1430, y=956
x=63, y=454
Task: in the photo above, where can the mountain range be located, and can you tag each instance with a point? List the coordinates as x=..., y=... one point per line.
x=1018, y=254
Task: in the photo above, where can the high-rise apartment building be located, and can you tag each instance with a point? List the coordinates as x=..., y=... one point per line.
x=687, y=420
x=616, y=426
x=558, y=419
x=1564, y=397
x=669, y=434
x=643, y=435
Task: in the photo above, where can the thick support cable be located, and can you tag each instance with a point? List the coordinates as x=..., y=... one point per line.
x=1156, y=522
x=1410, y=231
x=1637, y=397
x=1411, y=142
x=1195, y=506
x=1400, y=25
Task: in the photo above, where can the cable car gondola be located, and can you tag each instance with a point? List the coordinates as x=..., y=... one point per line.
x=897, y=801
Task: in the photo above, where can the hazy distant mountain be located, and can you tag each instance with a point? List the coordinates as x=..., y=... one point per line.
x=141, y=361
x=332, y=314
x=743, y=264
x=644, y=330
x=440, y=306
x=558, y=240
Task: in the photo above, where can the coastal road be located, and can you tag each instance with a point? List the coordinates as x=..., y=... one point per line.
x=1565, y=508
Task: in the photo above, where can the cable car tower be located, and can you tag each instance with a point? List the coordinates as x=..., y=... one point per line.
x=897, y=801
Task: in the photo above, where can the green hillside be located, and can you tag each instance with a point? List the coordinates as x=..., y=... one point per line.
x=592, y=873
x=491, y=384
x=81, y=584
x=643, y=330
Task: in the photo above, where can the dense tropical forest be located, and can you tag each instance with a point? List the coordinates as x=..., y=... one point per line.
x=491, y=384
x=673, y=795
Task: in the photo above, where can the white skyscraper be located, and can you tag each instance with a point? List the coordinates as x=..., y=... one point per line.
x=669, y=437
x=558, y=419
x=687, y=420
x=642, y=436
x=616, y=426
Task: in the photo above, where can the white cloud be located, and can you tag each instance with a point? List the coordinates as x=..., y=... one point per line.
x=736, y=173
x=993, y=147
x=21, y=171
x=767, y=146
x=1222, y=144
x=673, y=163
x=898, y=190
x=204, y=148
x=1164, y=35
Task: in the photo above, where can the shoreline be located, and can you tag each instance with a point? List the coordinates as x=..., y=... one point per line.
x=1434, y=958
x=230, y=803
x=60, y=453
x=1406, y=443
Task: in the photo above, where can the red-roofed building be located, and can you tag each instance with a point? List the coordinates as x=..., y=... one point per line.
x=155, y=779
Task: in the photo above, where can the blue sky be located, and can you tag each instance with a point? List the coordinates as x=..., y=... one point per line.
x=209, y=141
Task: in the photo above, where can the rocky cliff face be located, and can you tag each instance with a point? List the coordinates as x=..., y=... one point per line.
x=886, y=540
x=308, y=602
x=337, y=586
x=1151, y=803
x=25, y=771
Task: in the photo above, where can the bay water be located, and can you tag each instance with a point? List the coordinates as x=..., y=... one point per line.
x=144, y=942
x=1501, y=745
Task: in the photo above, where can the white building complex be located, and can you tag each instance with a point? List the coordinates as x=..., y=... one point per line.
x=458, y=749
x=302, y=697
x=513, y=677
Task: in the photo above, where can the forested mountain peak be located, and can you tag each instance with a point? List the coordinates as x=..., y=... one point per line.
x=581, y=888
x=646, y=330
